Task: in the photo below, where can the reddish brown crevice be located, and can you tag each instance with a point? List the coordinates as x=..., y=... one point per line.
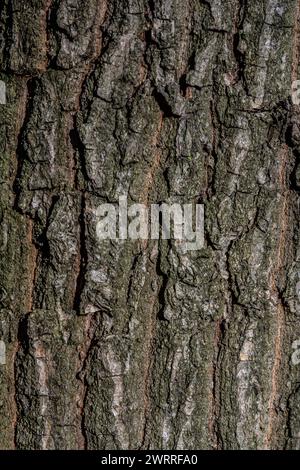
x=274, y=289
x=280, y=255
x=42, y=67
x=89, y=326
x=148, y=361
x=12, y=397
x=32, y=267
x=214, y=408
x=152, y=301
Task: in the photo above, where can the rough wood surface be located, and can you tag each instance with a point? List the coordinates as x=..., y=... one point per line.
x=135, y=345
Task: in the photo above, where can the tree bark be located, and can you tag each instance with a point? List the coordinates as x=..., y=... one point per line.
x=135, y=345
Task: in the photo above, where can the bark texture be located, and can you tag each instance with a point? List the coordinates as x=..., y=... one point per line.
x=135, y=344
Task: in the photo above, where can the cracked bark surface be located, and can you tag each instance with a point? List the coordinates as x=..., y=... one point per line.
x=136, y=345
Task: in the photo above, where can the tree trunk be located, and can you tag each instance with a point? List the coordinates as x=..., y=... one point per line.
x=135, y=344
